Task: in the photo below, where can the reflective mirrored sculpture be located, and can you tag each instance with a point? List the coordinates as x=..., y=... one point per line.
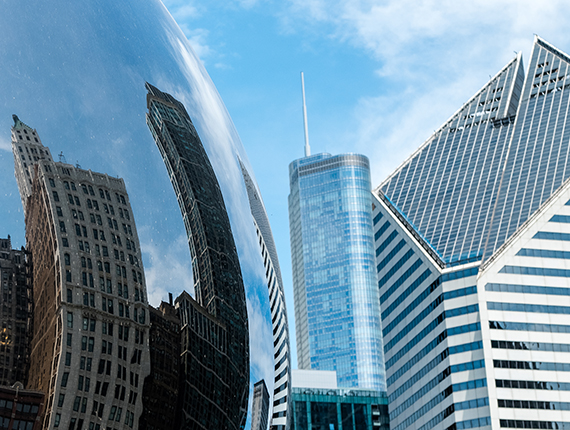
x=76, y=73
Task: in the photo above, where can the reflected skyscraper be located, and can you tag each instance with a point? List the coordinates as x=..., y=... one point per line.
x=471, y=239
x=337, y=312
x=281, y=411
x=214, y=326
x=15, y=313
x=89, y=354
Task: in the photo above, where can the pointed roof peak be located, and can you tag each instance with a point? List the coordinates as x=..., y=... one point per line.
x=18, y=124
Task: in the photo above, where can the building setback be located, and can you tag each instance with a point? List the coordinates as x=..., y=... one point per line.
x=471, y=240
x=89, y=351
x=337, y=312
x=214, y=325
x=15, y=313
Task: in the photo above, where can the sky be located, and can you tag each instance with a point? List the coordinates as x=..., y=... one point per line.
x=380, y=76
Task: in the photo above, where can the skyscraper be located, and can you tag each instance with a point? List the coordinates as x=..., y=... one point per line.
x=260, y=406
x=281, y=413
x=89, y=353
x=471, y=255
x=337, y=314
x=15, y=313
x=214, y=325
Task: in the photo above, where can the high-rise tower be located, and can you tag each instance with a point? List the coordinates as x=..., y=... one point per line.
x=15, y=313
x=214, y=325
x=471, y=254
x=337, y=311
x=89, y=351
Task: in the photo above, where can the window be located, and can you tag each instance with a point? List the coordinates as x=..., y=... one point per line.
x=51, y=182
x=69, y=296
x=78, y=230
x=64, y=379
x=91, y=190
x=68, y=358
x=105, y=251
x=84, y=188
x=69, y=339
x=84, y=343
x=68, y=275
x=91, y=344
x=59, y=211
x=60, y=400
x=62, y=226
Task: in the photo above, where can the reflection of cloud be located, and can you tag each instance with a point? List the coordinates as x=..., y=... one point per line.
x=261, y=343
x=165, y=271
x=197, y=39
x=5, y=145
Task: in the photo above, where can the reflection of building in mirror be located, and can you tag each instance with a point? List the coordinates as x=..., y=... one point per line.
x=281, y=414
x=16, y=313
x=214, y=324
x=259, y=406
x=89, y=352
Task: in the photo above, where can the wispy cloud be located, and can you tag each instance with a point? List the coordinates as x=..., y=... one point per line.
x=167, y=269
x=5, y=144
x=432, y=56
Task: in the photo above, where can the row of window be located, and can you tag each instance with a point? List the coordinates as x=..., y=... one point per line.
x=518, y=326
x=523, y=307
x=529, y=289
x=536, y=271
x=532, y=385
x=88, y=190
x=526, y=424
x=544, y=253
x=534, y=404
x=530, y=346
x=531, y=365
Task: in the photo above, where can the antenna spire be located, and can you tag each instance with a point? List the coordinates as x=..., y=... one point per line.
x=307, y=147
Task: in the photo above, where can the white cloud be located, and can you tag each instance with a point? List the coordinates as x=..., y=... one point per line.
x=5, y=145
x=432, y=57
x=168, y=269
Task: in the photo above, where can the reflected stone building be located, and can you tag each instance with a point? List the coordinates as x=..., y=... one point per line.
x=160, y=390
x=15, y=313
x=260, y=406
x=89, y=350
x=472, y=256
x=214, y=325
x=281, y=414
x=337, y=311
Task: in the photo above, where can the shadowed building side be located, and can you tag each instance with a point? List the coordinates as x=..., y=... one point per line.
x=214, y=325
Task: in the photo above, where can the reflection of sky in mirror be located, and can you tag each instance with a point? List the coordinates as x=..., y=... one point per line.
x=76, y=73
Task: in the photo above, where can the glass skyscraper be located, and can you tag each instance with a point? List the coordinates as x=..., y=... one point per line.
x=214, y=326
x=337, y=311
x=471, y=236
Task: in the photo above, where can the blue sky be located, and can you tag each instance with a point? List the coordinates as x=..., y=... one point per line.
x=380, y=76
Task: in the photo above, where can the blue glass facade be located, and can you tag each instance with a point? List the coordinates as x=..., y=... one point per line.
x=336, y=298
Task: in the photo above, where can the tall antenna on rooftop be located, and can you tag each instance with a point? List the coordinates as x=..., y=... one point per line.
x=307, y=147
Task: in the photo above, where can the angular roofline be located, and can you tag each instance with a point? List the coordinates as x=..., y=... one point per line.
x=518, y=57
x=414, y=233
x=553, y=50
x=522, y=228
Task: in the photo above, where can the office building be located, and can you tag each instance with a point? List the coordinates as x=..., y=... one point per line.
x=160, y=390
x=319, y=404
x=471, y=239
x=214, y=324
x=89, y=350
x=260, y=406
x=281, y=411
x=21, y=409
x=15, y=313
x=337, y=315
